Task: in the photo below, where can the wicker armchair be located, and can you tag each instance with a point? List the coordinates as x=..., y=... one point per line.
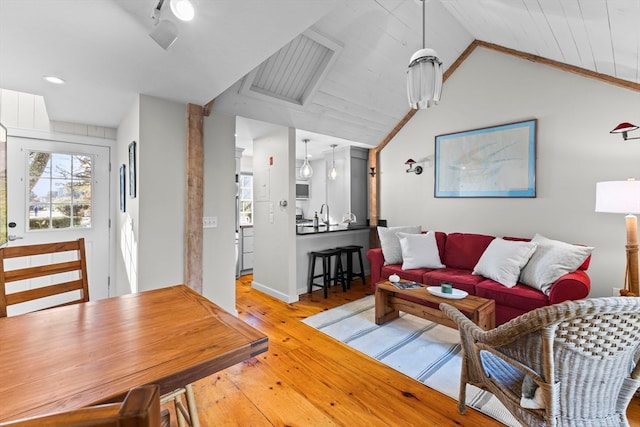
x=582, y=354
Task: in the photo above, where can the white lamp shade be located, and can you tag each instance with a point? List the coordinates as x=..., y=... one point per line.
x=618, y=197
x=424, y=79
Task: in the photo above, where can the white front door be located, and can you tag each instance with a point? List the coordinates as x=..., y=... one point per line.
x=59, y=191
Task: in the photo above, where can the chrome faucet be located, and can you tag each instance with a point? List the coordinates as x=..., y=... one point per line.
x=321, y=208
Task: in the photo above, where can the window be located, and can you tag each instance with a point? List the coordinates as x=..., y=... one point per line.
x=245, y=199
x=59, y=190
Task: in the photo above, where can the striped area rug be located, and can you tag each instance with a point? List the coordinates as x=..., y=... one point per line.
x=423, y=350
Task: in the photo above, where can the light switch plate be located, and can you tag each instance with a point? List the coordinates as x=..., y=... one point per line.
x=210, y=222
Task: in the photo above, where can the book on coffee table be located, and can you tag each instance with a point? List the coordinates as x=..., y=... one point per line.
x=407, y=285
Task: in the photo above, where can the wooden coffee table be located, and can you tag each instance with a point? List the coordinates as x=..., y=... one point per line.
x=482, y=311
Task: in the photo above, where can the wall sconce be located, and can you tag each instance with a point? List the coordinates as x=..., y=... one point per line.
x=372, y=171
x=623, y=128
x=417, y=169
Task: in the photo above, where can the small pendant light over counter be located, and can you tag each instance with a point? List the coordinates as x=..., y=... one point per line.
x=306, y=171
x=333, y=173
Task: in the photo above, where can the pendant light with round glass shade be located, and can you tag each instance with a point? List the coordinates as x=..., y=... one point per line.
x=333, y=172
x=424, y=75
x=306, y=171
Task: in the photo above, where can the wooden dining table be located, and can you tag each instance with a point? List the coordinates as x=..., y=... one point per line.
x=84, y=354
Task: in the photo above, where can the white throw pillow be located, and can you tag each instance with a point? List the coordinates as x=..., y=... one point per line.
x=390, y=243
x=551, y=260
x=419, y=251
x=503, y=260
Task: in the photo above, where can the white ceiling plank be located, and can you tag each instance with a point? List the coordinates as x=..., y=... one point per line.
x=546, y=43
x=466, y=16
x=596, y=21
x=557, y=21
x=625, y=38
x=573, y=15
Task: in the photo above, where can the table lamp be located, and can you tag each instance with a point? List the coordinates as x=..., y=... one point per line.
x=624, y=197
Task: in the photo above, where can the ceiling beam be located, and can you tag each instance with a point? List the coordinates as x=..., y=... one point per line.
x=194, y=202
x=560, y=65
x=208, y=107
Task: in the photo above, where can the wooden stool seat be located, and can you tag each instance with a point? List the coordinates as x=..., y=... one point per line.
x=350, y=250
x=327, y=277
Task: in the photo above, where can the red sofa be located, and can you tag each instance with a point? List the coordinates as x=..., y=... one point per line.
x=460, y=252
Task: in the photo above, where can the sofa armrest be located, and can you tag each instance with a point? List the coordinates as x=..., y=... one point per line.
x=376, y=261
x=571, y=286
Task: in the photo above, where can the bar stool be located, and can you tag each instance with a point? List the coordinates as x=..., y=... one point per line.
x=349, y=273
x=338, y=274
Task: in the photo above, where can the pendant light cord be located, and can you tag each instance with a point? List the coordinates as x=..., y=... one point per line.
x=424, y=14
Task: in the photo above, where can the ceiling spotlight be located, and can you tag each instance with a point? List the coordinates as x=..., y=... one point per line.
x=183, y=9
x=55, y=80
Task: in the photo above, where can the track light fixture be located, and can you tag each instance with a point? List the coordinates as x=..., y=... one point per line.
x=164, y=31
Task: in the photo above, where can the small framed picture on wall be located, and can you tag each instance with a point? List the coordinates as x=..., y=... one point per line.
x=123, y=188
x=132, y=170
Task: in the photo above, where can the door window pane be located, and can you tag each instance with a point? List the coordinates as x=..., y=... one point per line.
x=59, y=190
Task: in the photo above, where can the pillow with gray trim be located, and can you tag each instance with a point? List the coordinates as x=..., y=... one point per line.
x=390, y=243
x=551, y=260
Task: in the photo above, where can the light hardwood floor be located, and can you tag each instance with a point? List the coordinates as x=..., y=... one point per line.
x=309, y=379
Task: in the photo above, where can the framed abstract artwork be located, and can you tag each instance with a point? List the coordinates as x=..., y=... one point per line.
x=497, y=161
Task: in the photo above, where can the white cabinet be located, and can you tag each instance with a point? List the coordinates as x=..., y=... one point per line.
x=246, y=235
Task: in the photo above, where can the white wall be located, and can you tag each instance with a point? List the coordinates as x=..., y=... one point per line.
x=161, y=189
x=317, y=188
x=274, y=241
x=574, y=151
x=156, y=214
x=126, y=251
x=27, y=111
x=218, y=257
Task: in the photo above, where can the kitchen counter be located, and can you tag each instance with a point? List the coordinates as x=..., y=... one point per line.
x=309, y=239
x=323, y=229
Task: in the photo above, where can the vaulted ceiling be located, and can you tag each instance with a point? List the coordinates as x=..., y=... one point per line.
x=329, y=67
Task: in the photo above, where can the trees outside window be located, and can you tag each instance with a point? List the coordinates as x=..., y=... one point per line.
x=59, y=190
